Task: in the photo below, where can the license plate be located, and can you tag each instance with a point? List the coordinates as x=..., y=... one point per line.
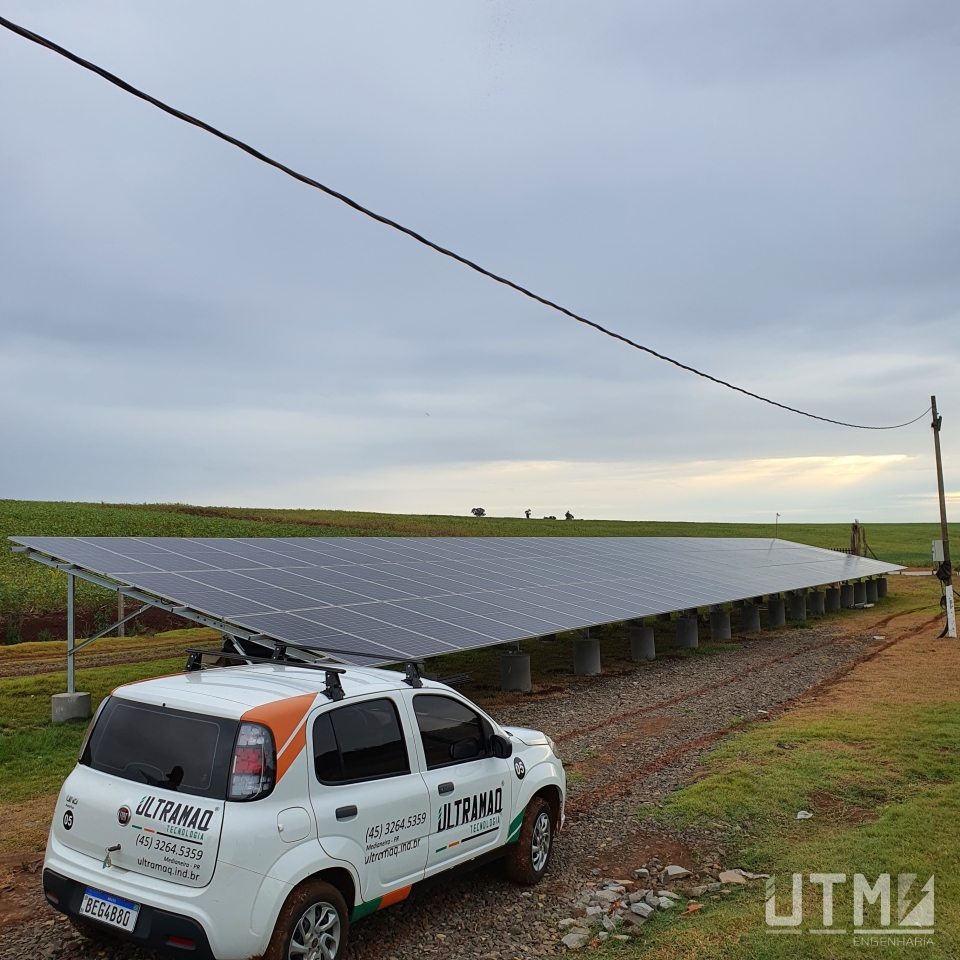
x=108, y=909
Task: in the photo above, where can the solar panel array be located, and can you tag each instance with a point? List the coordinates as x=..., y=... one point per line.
x=396, y=598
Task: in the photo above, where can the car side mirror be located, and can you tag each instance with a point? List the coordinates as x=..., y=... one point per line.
x=465, y=749
x=500, y=746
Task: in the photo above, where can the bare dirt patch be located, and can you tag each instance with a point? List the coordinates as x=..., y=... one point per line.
x=914, y=667
x=19, y=876
x=642, y=847
x=25, y=828
x=839, y=810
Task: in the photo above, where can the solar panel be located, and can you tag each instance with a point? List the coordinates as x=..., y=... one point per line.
x=395, y=598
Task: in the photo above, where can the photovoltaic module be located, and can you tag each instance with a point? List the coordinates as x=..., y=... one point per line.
x=399, y=598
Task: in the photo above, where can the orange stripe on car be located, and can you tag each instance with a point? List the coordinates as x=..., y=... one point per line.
x=287, y=721
x=395, y=896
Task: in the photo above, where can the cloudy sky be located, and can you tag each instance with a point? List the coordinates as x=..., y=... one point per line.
x=767, y=191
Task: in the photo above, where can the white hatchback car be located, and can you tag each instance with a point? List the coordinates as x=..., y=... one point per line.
x=259, y=809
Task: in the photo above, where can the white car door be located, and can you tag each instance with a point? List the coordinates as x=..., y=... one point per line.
x=469, y=788
x=367, y=794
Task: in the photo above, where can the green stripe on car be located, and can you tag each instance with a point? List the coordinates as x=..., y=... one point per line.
x=515, y=825
x=365, y=909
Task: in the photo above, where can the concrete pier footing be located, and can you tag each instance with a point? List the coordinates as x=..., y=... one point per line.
x=831, y=600
x=859, y=593
x=719, y=624
x=776, y=615
x=641, y=643
x=846, y=596
x=815, y=603
x=750, y=618
x=871, y=586
x=515, y=672
x=687, y=634
x=798, y=606
x=586, y=657
x=69, y=706
x=881, y=587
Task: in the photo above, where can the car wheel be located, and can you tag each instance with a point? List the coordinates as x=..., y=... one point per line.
x=312, y=925
x=528, y=857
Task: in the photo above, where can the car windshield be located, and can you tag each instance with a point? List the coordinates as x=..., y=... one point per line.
x=164, y=748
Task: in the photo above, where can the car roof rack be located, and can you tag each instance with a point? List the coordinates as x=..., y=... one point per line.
x=333, y=689
x=412, y=674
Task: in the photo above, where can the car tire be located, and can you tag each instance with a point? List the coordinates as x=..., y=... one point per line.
x=527, y=859
x=314, y=917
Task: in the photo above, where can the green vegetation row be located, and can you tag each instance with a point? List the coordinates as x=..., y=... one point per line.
x=27, y=587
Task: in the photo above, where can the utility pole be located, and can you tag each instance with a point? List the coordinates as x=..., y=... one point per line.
x=945, y=571
x=776, y=527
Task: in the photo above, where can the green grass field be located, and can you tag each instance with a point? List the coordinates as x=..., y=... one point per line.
x=26, y=586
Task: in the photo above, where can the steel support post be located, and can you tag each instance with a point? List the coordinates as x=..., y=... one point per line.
x=71, y=638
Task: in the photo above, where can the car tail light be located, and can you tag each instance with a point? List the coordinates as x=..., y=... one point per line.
x=181, y=942
x=253, y=770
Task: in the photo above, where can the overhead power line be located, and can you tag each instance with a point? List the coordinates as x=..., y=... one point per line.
x=310, y=182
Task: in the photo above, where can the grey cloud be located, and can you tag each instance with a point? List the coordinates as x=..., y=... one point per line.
x=766, y=191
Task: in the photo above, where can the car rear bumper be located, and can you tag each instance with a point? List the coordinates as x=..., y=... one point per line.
x=156, y=929
x=229, y=911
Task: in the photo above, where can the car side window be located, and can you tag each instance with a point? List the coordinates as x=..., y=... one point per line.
x=360, y=741
x=450, y=731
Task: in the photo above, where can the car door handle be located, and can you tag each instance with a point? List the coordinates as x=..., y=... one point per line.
x=346, y=813
x=445, y=788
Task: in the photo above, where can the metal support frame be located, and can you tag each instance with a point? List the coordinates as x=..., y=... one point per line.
x=113, y=626
x=73, y=571
x=71, y=627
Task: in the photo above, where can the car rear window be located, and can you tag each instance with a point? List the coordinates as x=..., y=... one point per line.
x=159, y=747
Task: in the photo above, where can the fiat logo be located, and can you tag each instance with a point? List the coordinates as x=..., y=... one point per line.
x=123, y=815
